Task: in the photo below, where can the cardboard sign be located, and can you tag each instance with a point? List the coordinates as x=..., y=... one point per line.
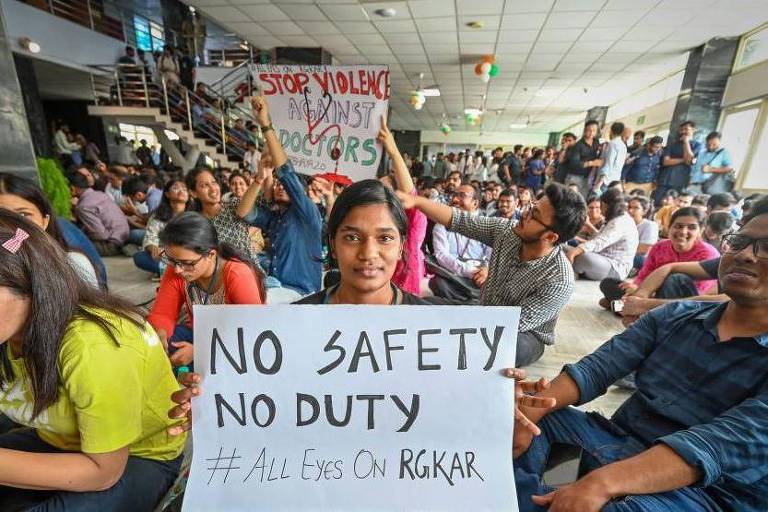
x=327, y=117
x=353, y=408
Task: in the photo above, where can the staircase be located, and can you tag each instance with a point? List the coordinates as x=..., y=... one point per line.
x=207, y=124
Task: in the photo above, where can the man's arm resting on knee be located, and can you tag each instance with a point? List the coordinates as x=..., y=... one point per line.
x=658, y=469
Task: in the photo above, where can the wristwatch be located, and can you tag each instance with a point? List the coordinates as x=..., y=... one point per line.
x=265, y=129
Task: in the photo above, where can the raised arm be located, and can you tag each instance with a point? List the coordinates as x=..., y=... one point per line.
x=261, y=113
x=402, y=176
x=436, y=212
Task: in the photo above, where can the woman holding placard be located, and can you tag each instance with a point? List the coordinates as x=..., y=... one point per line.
x=89, y=381
x=366, y=230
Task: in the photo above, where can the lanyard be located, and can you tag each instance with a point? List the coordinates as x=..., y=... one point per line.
x=211, y=285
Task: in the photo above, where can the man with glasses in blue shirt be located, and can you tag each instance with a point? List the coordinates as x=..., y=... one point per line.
x=694, y=436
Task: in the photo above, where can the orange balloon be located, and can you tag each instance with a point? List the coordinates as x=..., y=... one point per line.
x=478, y=71
x=490, y=59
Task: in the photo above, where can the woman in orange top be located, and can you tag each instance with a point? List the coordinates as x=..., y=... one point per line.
x=200, y=270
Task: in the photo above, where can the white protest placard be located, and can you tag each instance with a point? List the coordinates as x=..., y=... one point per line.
x=353, y=408
x=327, y=117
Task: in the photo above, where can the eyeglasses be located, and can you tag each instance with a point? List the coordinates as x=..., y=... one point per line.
x=178, y=188
x=187, y=265
x=463, y=195
x=735, y=243
x=528, y=214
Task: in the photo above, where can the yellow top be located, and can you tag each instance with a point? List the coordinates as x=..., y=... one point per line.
x=111, y=395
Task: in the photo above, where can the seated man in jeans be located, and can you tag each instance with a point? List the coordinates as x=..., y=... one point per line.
x=694, y=436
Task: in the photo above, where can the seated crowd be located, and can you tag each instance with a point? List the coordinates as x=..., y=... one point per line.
x=685, y=270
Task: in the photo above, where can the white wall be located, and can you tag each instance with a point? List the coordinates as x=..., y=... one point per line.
x=61, y=41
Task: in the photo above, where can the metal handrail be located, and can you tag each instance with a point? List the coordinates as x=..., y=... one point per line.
x=129, y=85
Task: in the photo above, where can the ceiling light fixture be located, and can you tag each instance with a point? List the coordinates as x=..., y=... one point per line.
x=387, y=12
x=431, y=92
x=476, y=24
x=517, y=126
x=29, y=45
x=472, y=111
x=192, y=9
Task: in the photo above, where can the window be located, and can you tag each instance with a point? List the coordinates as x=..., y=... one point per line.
x=135, y=133
x=737, y=127
x=150, y=36
x=753, y=49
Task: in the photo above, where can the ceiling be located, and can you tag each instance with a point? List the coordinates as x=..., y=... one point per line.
x=557, y=58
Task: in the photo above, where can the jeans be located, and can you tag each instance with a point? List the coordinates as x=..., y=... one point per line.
x=639, y=261
x=140, y=489
x=459, y=289
x=594, y=266
x=602, y=442
x=677, y=286
x=529, y=349
x=144, y=261
x=136, y=236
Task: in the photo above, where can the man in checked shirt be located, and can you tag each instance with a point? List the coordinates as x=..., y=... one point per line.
x=528, y=268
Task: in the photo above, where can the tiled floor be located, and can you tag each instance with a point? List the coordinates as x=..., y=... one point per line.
x=582, y=327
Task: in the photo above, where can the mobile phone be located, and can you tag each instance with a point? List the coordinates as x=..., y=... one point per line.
x=617, y=306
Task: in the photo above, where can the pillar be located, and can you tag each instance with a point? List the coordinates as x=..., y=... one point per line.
x=33, y=105
x=554, y=139
x=598, y=114
x=16, y=154
x=704, y=81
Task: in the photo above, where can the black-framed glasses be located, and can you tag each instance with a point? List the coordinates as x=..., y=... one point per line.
x=735, y=243
x=187, y=265
x=463, y=195
x=528, y=214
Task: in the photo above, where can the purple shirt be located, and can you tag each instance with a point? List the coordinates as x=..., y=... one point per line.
x=101, y=218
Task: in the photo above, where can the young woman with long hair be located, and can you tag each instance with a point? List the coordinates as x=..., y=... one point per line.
x=200, y=269
x=175, y=200
x=26, y=198
x=88, y=380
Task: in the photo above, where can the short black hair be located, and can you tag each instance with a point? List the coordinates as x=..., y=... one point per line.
x=569, y=135
x=570, y=211
x=688, y=123
x=508, y=192
x=77, y=180
x=641, y=133
x=617, y=128
x=656, y=140
x=517, y=147
x=714, y=135
x=723, y=199
x=758, y=206
x=645, y=204
x=720, y=222
x=592, y=122
x=685, y=192
x=454, y=172
x=133, y=185
x=614, y=199
x=426, y=182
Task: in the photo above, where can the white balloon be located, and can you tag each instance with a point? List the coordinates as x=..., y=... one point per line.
x=485, y=67
x=485, y=78
x=418, y=106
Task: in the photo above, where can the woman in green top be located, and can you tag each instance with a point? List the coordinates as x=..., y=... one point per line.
x=86, y=378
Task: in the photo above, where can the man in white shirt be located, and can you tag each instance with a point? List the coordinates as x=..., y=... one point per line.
x=464, y=260
x=613, y=158
x=62, y=146
x=252, y=157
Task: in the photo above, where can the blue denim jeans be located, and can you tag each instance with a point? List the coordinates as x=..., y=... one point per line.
x=136, y=236
x=144, y=261
x=142, y=486
x=602, y=442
